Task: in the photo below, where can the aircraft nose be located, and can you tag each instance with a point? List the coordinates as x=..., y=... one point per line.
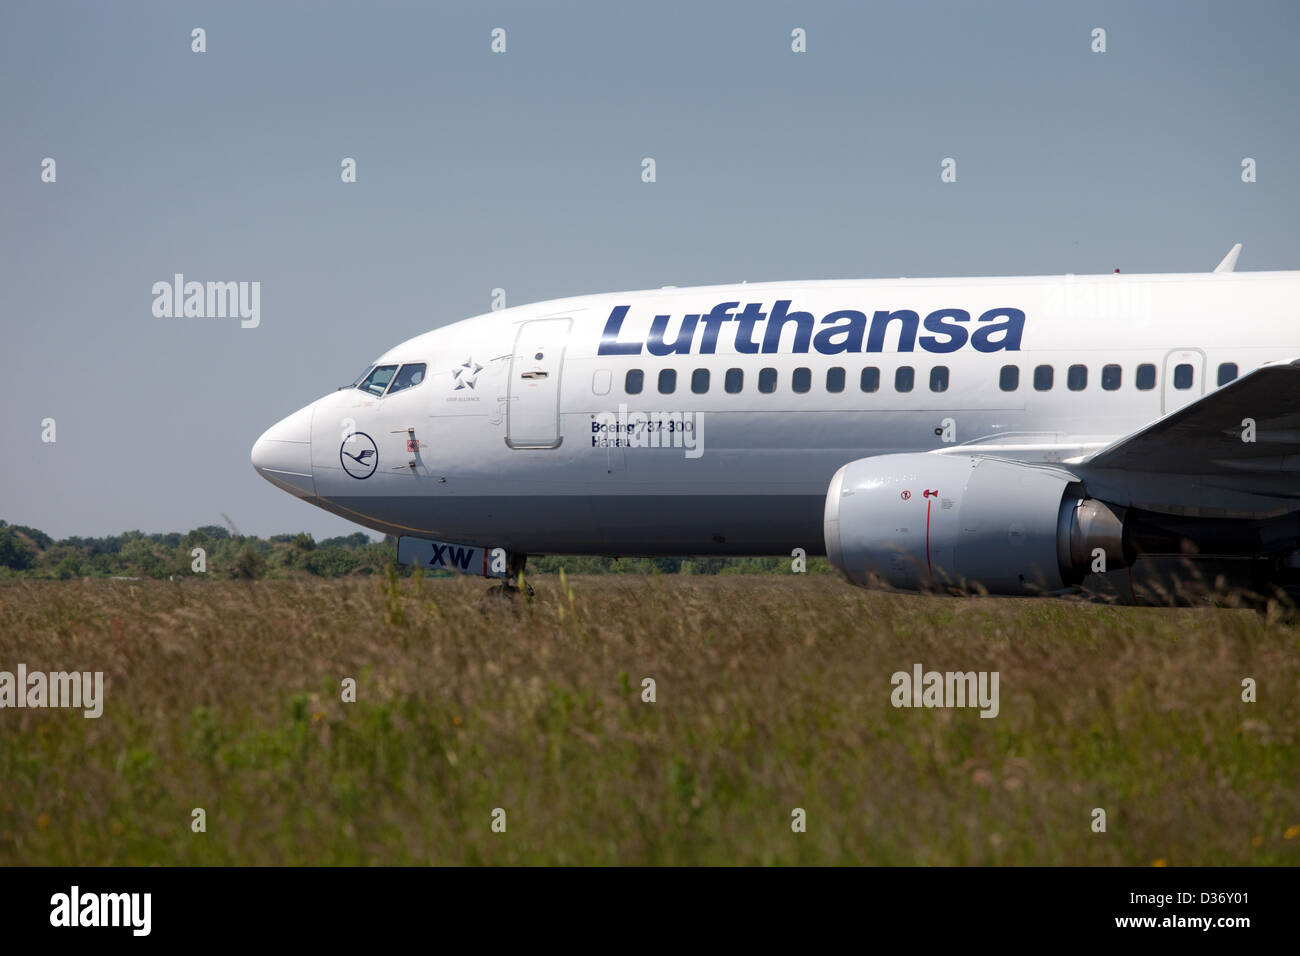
x=283, y=454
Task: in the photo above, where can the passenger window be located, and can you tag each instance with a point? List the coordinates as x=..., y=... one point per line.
x=870, y=379
x=1009, y=379
x=1076, y=379
x=700, y=381
x=904, y=378
x=939, y=378
x=801, y=381
x=1227, y=372
x=408, y=376
x=634, y=381
x=1146, y=377
x=667, y=381
x=378, y=379
x=734, y=381
x=1043, y=378
x=767, y=380
x=1183, y=376
x=1111, y=377
x=835, y=379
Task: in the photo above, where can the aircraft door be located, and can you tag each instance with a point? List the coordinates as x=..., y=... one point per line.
x=1183, y=380
x=533, y=408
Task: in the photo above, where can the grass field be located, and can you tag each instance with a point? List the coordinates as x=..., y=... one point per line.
x=772, y=693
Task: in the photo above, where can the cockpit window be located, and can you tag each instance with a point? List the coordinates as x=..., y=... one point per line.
x=378, y=379
x=407, y=376
x=362, y=377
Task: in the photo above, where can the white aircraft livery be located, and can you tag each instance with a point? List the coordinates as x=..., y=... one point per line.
x=1019, y=436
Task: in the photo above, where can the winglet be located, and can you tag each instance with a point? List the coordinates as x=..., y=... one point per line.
x=1229, y=263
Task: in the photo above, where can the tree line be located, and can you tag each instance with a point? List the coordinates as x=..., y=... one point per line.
x=30, y=553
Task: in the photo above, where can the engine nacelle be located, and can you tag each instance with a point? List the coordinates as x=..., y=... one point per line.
x=927, y=522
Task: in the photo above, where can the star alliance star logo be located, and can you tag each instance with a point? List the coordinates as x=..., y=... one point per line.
x=466, y=375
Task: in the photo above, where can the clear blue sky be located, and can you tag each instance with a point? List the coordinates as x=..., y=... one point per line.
x=522, y=171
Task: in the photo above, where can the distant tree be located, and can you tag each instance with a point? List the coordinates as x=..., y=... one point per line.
x=69, y=567
x=109, y=545
x=106, y=565
x=331, y=562
x=15, y=553
x=37, y=537
x=358, y=539
x=144, y=557
x=247, y=565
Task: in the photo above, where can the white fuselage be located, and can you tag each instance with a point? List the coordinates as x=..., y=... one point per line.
x=526, y=430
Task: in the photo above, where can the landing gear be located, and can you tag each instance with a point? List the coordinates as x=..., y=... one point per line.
x=514, y=582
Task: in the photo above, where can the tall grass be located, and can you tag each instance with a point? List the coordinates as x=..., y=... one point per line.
x=772, y=694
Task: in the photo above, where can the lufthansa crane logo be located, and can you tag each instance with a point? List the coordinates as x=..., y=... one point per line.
x=358, y=455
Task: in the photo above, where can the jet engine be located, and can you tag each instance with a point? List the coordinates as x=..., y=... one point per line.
x=927, y=522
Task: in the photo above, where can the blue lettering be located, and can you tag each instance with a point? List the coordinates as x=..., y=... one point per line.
x=745, y=322
x=906, y=334
x=982, y=339
x=657, y=345
x=713, y=324
x=934, y=322
x=776, y=322
x=841, y=331
x=609, y=343
x=853, y=326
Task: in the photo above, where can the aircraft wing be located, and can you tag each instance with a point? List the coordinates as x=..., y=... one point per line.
x=1243, y=437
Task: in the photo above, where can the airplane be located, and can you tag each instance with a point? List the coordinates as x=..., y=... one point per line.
x=1116, y=436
